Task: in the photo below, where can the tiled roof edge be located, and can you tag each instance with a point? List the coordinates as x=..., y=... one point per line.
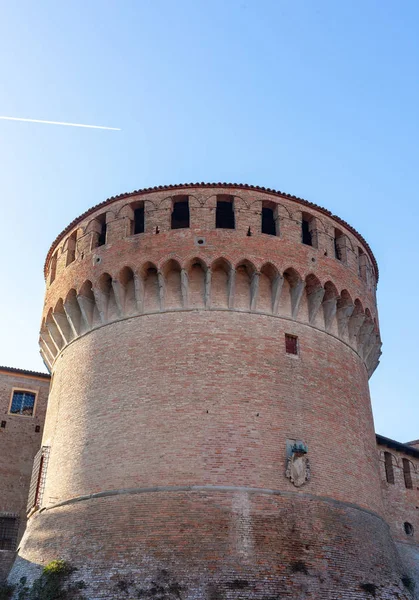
x=244, y=186
x=25, y=372
x=383, y=441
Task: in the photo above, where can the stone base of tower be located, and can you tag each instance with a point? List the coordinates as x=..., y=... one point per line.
x=409, y=554
x=216, y=544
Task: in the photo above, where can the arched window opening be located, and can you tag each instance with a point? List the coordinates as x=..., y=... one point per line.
x=308, y=230
x=388, y=463
x=138, y=224
x=269, y=219
x=53, y=268
x=362, y=264
x=101, y=219
x=407, y=474
x=340, y=245
x=71, y=248
x=180, y=212
x=224, y=215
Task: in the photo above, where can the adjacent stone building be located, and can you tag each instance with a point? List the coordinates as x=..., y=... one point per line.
x=209, y=430
x=23, y=403
x=399, y=470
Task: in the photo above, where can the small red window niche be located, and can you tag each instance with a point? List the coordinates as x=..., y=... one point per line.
x=291, y=344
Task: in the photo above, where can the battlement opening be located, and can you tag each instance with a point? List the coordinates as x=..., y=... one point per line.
x=224, y=216
x=180, y=213
x=101, y=240
x=269, y=219
x=138, y=223
x=340, y=245
x=71, y=248
x=308, y=230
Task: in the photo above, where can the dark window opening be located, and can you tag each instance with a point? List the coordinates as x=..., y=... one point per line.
x=362, y=264
x=224, y=216
x=23, y=403
x=306, y=233
x=180, y=213
x=388, y=463
x=102, y=235
x=37, y=428
x=340, y=246
x=407, y=474
x=139, y=220
x=9, y=527
x=268, y=221
x=291, y=344
x=3, y=424
x=408, y=528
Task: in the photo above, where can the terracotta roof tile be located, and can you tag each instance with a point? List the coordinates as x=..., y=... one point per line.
x=25, y=372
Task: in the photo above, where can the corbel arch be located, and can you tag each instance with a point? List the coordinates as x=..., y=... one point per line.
x=222, y=279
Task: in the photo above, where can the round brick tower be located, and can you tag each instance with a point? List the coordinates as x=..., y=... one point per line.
x=209, y=431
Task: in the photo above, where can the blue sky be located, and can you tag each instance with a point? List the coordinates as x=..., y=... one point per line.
x=316, y=98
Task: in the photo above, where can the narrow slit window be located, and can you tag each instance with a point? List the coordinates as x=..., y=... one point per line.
x=388, y=464
x=23, y=403
x=9, y=527
x=180, y=213
x=268, y=221
x=139, y=220
x=306, y=235
x=291, y=344
x=224, y=216
x=102, y=235
x=407, y=474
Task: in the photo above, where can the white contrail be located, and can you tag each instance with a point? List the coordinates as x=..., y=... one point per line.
x=59, y=123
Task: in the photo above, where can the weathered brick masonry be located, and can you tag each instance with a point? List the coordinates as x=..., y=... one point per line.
x=209, y=425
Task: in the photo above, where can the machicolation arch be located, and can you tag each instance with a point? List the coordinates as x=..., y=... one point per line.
x=170, y=286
